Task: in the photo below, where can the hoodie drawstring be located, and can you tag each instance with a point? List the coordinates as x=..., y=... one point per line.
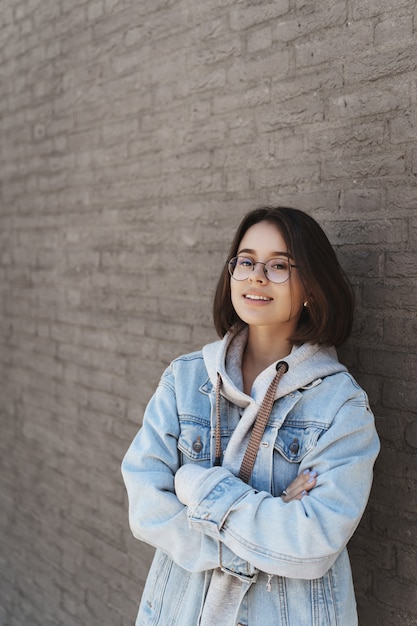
x=258, y=427
x=218, y=453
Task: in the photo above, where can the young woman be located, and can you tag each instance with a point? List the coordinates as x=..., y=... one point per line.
x=254, y=463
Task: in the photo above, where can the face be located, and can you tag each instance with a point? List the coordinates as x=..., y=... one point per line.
x=259, y=301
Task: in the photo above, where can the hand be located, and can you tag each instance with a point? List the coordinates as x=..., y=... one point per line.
x=300, y=486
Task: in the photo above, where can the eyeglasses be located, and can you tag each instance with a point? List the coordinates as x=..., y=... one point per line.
x=276, y=270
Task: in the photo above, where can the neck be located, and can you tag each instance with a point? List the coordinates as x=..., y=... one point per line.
x=261, y=351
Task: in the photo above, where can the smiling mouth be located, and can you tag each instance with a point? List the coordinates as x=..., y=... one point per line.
x=250, y=296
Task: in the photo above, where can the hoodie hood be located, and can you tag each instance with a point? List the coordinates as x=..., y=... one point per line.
x=307, y=364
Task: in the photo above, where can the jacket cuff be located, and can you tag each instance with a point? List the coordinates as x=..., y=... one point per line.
x=211, y=500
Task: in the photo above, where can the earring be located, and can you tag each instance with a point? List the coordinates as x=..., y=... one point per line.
x=306, y=304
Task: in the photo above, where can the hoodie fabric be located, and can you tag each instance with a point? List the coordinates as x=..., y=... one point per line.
x=229, y=552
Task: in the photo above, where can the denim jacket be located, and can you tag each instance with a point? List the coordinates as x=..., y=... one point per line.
x=281, y=564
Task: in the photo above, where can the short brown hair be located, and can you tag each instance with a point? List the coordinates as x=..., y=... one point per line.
x=328, y=318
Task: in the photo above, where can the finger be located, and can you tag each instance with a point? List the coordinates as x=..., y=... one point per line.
x=310, y=480
x=300, y=486
x=304, y=481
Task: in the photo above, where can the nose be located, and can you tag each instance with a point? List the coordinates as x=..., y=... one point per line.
x=258, y=273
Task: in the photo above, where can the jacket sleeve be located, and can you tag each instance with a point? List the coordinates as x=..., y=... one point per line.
x=301, y=539
x=156, y=515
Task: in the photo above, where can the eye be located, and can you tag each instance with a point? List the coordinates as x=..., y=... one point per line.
x=243, y=261
x=278, y=265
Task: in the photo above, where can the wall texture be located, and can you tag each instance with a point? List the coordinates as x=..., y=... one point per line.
x=134, y=134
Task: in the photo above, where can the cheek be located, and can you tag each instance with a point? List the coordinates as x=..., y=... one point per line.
x=234, y=295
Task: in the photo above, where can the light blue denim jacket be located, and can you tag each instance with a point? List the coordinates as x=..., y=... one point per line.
x=286, y=563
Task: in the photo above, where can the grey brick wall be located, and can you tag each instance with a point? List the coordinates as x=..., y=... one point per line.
x=136, y=132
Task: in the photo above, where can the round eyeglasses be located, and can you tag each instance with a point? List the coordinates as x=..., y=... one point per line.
x=276, y=270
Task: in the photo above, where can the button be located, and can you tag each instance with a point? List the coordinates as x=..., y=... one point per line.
x=197, y=445
x=295, y=446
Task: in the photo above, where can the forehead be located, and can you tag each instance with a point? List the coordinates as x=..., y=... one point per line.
x=264, y=238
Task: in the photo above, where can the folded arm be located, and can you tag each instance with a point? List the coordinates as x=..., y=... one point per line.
x=303, y=538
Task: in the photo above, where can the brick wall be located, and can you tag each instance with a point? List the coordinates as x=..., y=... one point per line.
x=134, y=135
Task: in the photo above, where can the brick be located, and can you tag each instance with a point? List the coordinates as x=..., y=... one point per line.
x=242, y=18
x=411, y=439
x=338, y=42
x=382, y=557
x=292, y=112
x=199, y=81
x=105, y=403
x=397, y=394
x=370, y=8
x=371, y=612
x=393, y=29
x=243, y=129
x=250, y=98
x=259, y=39
x=95, y=10
x=368, y=232
x=285, y=175
x=401, y=265
x=360, y=103
x=400, y=198
x=405, y=594
x=392, y=525
x=376, y=362
x=92, y=358
x=360, y=264
x=400, y=331
x=347, y=139
x=112, y=132
x=274, y=65
x=152, y=121
x=372, y=65
x=390, y=297
x=203, y=136
x=378, y=165
x=237, y=181
x=362, y=201
x=173, y=23
x=304, y=24
x=214, y=52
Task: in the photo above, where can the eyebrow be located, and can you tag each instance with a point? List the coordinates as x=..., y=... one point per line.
x=274, y=254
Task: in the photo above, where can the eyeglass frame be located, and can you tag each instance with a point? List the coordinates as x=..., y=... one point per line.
x=235, y=258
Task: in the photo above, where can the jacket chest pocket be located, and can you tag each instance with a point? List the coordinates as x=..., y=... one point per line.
x=292, y=444
x=194, y=440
